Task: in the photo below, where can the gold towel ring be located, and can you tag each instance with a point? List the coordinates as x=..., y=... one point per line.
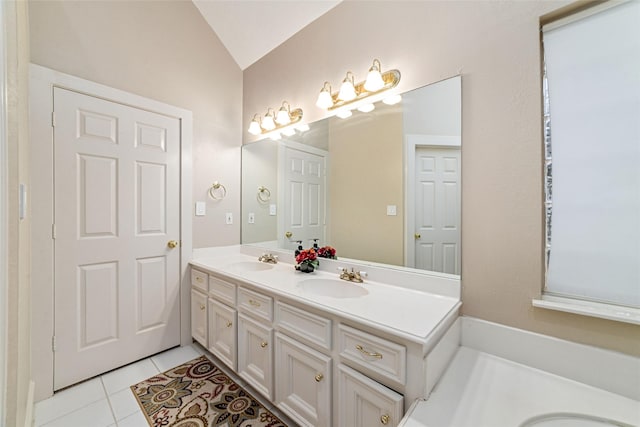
x=217, y=191
x=264, y=195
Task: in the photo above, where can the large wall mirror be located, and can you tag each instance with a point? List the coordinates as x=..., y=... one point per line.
x=382, y=186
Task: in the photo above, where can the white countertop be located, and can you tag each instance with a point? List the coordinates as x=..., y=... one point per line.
x=482, y=390
x=409, y=313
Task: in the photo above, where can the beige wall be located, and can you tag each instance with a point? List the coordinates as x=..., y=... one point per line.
x=495, y=47
x=18, y=355
x=363, y=182
x=163, y=50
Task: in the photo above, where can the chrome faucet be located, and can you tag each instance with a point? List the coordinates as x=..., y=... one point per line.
x=268, y=258
x=352, y=276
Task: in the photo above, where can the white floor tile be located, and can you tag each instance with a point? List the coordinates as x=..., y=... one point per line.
x=123, y=404
x=69, y=400
x=135, y=420
x=97, y=414
x=129, y=375
x=174, y=357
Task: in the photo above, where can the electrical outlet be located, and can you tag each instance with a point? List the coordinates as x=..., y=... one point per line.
x=391, y=210
x=201, y=208
x=272, y=209
x=229, y=218
x=252, y=218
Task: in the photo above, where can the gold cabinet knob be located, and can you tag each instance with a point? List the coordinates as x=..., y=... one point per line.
x=199, y=279
x=202, y=307
x=417, y=235
x=319, y=378
x=288, y=234
x=263, y=344
x=229, y=324
x=385, y=419
x=172, y=244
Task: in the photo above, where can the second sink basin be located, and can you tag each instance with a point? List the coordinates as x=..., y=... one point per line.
x=333, y=288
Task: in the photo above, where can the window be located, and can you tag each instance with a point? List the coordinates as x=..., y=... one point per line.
x=592, y=154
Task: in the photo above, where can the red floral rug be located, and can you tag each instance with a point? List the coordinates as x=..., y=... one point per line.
x=198, y=394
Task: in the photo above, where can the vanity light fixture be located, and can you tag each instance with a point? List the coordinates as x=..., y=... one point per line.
x=285, y=118
x=350, y=92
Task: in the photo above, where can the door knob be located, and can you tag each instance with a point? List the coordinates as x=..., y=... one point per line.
x=417, y=235
x=288, y=234
x=172, y=243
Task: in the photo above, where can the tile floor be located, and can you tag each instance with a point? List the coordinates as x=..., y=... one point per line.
x=107, y=401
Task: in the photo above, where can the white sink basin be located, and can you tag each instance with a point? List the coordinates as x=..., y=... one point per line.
x=246, y=266
x=571, y=420
x=333, y=288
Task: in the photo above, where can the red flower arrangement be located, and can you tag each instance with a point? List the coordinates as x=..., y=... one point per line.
x=327, y=252
x=307, y=260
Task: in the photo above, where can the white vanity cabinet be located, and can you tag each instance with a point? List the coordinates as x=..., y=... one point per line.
x=320, y=367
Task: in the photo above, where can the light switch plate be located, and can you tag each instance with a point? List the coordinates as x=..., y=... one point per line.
x=272, y=209
x=391, y=210
x=252, y=218
x=201, y=208
x=229, y=218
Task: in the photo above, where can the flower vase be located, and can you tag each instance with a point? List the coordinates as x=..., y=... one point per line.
x=305, y=268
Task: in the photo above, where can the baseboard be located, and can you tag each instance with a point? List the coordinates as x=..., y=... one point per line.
x=28, y=414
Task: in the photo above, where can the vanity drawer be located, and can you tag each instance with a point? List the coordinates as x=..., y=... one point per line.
x=373, y=354
x=222, y=291
x=303, y=325
x=199, y=279
x=255, y=304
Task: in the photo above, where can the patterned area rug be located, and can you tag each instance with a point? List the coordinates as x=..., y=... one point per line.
x=198, y=394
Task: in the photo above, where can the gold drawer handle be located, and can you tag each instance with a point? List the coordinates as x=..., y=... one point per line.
x=263, y=344
x=199, y=279
x=202, y=307
x=365, y=352
x=254, y=303
x=319, y=378
x=229, y=324
x=385, y=419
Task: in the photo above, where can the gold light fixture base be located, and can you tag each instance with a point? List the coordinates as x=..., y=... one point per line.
x=391, y=79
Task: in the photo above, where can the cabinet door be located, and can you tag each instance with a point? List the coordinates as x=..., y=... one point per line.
x=199, y=317
x=366, y=403
x=222, y=332
x=303, y=382
x=255, y=355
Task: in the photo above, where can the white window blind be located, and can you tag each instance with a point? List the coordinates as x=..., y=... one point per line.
x=593, y=80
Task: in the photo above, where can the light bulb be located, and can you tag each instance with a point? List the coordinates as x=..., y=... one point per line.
x=366, y=108
x=283, y=118
x=268, y=123
x=254, y=127
x=392, y=100
x=347, y=90
x=343, y=114
x=324, y=100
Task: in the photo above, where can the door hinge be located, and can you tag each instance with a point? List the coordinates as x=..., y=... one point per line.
x=53, y=119
x=53, y=343
x=53, y=231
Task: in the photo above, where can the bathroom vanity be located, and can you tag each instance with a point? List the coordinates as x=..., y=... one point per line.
x=325, y=351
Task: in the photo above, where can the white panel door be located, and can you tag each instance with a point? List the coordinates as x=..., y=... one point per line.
x=437, y=201
x=116, y=183
x=304, y=197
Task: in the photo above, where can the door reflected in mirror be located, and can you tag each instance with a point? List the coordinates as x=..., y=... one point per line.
x=382, y=186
